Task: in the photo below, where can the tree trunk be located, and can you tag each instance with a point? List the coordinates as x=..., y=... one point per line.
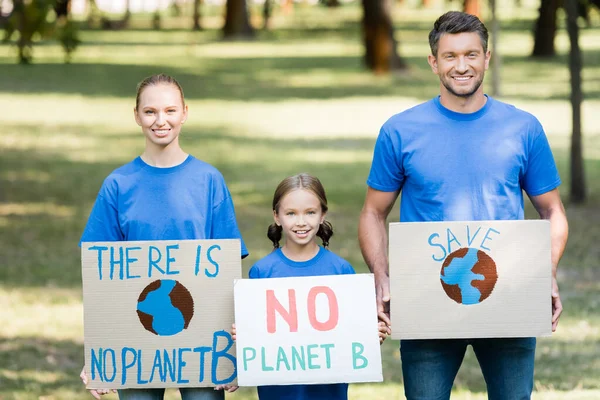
x=62, y=8
x=332, y=3
x=197, y=15
x=381, y=55
x=578, y=189
x=237, y=23
x=495, y=53
x=472, y=7
x=545, y=29
x=266, y=14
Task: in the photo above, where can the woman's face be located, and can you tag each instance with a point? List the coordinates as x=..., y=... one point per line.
x=161, y=113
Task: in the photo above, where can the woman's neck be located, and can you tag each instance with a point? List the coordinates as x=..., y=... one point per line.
x=164, y=157
x=300, y=253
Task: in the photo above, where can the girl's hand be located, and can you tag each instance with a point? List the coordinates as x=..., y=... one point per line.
x=228, y=388
x=233, y=332
x=94, y=392
x=384, y=331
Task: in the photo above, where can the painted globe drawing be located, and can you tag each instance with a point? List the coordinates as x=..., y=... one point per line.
x=468, y=275
x=165, y=307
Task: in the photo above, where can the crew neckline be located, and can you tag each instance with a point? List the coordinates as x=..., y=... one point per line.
x=160, y=170
x=463, y=116
x=300, y=264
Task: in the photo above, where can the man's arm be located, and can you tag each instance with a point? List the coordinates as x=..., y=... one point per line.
x=373, y=239
x=549, y=206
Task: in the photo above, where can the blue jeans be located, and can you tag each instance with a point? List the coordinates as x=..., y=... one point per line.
x=430, y=366
x=158, y=394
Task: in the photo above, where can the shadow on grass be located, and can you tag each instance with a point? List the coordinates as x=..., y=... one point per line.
x=273, y=79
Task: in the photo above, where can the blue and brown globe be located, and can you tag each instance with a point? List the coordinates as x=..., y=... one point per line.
x=468, y=275
x=165, y=307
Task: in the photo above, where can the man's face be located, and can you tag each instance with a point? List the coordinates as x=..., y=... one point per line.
x=460, y=63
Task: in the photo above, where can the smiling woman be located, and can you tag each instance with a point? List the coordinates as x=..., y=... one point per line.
x=165, y=194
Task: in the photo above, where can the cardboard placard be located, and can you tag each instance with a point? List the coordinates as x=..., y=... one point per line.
x=159, y=313
x=476, y=279
x=307, y=330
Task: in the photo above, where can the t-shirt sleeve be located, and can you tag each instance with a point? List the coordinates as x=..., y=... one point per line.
x=387, y=174
x=254, y=273
x=347, y=269
x=103, y=222
x=541, y=174
x=224, y=223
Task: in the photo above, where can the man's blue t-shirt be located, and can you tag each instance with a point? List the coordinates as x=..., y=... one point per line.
x=451, y=166
x=277, y=265
x=141, y=202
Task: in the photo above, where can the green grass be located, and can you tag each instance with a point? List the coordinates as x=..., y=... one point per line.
x=295, y=99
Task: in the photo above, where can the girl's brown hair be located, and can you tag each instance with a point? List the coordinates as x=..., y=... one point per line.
x=306, y=182
x=156, y=80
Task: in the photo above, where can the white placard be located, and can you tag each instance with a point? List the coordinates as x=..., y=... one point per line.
x=470, y=279
x=305, y=330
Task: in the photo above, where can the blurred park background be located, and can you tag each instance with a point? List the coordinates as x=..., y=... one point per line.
x=296, y=85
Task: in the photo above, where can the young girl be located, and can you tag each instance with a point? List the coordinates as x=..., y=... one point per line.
x=164, y=194
x=299, y=210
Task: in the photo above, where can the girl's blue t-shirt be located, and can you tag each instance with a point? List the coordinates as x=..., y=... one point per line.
x=451, y=166
x=141, y=202
x=277, y=265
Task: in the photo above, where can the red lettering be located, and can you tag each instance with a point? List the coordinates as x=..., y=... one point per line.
x=290, y=316
x=333, y=308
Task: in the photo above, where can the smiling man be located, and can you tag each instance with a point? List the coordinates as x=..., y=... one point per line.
x=461, y=156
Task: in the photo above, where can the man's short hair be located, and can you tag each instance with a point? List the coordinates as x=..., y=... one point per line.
x=457, y=22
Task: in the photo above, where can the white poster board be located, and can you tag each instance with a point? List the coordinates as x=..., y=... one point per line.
x=470, y=279
x=159, y=314
x=306, y=330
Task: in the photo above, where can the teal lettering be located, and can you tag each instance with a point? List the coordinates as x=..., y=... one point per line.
x=140, y=381
x=169, y=365
x=327, y=355
x=246, y=357
x=218, y=354
x=310, y=355
x=124, y=364
x=114, y=364
x=487, y=237
x=298, y=357
x=357, y=350
x=97, y=364
x=198, y=253
x=181, y=365
x=153, y=262
x=202, y=350
x=281, y=357
x=451, y=238
x=157, y=364
x=171, y=259
x=469, y=239
x=114, y=261
x=100, y=250
x=430, y=241
x=130, y=260
x=265, y=367
x=213, y=262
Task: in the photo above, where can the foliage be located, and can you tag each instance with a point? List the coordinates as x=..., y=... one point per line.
x=32, y=20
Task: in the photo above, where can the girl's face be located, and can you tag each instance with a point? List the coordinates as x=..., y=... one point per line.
x=299, y=215
x=161, y=113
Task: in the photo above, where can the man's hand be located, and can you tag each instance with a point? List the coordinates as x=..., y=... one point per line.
x=227, y=388
x=94, y=392
x=557, y=306
x=382, y=291
x=233, y=332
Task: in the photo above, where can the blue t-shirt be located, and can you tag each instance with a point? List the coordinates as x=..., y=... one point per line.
x=141, y=202
x=451, y=166
x=277, y=265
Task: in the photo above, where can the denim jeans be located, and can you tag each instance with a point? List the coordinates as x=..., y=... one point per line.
x=430, y=366
x=158, y=394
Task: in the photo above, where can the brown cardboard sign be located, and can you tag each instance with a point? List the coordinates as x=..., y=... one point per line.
x=159, y=313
